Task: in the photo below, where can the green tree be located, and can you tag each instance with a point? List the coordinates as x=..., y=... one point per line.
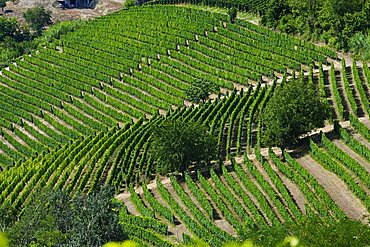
x=276, y=9
x=177, y=145
x=37, y=18
x=331, y=21
x=7, y=216
x=57, y=219
x=233, y=12
x=200, y=90
x=360, y=45
x=2, y=4
x=8, y=27
x=130, y=3
x=295, y=109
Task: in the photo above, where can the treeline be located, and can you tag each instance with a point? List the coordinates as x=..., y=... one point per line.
x=335, y=22
x=16, y=38
x=54, y=218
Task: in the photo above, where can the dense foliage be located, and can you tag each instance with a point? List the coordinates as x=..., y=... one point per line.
x=139, y=70
x=331, y=21
x=295, y=109
x=2, y=4
x=17, y=39
x=233, y=12
x=37, y=18
x=177, y=145
x=14, y=40
x=56, y=219
x=200, y=90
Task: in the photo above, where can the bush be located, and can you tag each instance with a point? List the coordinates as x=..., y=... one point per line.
x=57, y=219
x=295, y=109
x=177, y=145
x=130, y=3
x=233, y=12
x=37, y=18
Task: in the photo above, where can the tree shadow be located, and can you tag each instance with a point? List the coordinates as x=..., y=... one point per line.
x=302, y=147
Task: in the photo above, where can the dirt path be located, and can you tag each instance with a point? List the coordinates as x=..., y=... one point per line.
x=269, y=180
x=15, y=137
x=25, y=132
x=361, y=139
x=297, y=195
x=253, y=199
x=32, y=125
x=237, y=198
x=344, y=94
x=3, y=140
x=180, y=228
x=336, y=188
x=192, y=197
x=353, y=154
x=366, y=121
x=126, y=198
x=329, y=88
x=354, y=90
x=112, y=107
x=3, y=153
x=220, y=221
x=264, y=193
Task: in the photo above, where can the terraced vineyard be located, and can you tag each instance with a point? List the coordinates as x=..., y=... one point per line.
x=79, y=85
x=79, y=113
x=242, y=5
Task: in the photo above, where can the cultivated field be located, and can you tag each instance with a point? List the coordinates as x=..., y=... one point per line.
x=79, y=113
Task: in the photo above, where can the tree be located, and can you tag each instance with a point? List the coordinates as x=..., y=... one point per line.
x=331, y=21
x=130, y=3
x=177, y=145
x=7, y=216
x=360, y=45
x=54, y=218
x=233, y=12
x=8, y=27
x=37, y=18
x=200, y=90
x=276, y=9
x=295, y=109
x=2, y=4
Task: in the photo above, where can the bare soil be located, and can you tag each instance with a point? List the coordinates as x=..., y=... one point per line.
x=336, y=188
x=362, y=161
x=127, y=201
x=103, y=7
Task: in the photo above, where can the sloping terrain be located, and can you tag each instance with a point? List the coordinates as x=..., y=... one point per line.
x=79, y=113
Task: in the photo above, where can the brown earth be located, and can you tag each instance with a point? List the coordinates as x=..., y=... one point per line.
x=103, y=7
x=336, y=188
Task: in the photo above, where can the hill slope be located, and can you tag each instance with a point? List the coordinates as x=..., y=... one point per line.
x=79, y=113
x=91, y=80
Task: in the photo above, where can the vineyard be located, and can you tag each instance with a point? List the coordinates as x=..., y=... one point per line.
x=79, y=113
x=243, y=5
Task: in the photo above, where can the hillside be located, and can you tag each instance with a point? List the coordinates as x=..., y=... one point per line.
x=80, y=111
x=87, y=86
